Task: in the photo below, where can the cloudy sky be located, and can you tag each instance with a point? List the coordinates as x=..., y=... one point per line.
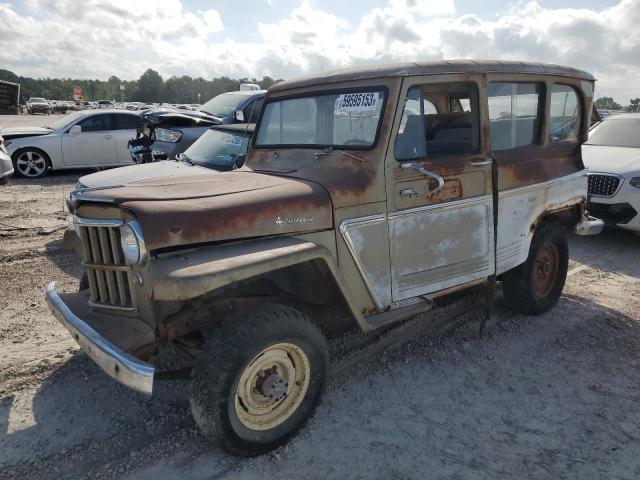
x=284, y=38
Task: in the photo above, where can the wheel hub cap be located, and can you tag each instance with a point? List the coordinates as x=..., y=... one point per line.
x=546, y=269
x=272, y=386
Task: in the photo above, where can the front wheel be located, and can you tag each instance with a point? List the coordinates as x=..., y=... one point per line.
x=535, y=286
x=259, y=379
x=31, y=163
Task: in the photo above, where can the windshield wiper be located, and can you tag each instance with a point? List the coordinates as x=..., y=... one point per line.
x=330, y=150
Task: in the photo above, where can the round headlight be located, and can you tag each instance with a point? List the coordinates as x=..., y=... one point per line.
x=130, y=244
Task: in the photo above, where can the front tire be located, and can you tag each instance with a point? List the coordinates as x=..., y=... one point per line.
x=31, y=163
x=259, y=379
x=535, y=286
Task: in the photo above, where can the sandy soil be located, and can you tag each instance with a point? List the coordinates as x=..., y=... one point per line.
x=554, y=396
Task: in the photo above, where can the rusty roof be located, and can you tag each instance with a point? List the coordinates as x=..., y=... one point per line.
x=430, y=68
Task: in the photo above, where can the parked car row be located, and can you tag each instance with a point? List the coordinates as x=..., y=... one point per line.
x=102, y=137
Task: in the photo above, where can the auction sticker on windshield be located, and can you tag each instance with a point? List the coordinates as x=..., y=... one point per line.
x=357, y=102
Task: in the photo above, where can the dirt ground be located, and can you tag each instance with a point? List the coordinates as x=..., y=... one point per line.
x=548, y=397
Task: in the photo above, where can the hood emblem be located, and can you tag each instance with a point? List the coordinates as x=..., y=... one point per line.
x=293, y=220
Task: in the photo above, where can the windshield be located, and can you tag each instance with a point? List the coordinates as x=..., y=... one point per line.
x=219, y=149
x=616, y=132
x=37, y=100
x=224, y=104
x=341, y=119
x=64, y=121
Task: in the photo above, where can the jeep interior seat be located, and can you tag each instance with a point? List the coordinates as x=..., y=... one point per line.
x=410, y=143
x=449, y=133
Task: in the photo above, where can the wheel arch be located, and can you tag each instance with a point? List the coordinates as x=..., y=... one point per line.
x=225, y=278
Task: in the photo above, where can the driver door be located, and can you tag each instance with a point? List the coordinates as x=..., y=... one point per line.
x=95, y=145
x=439, y=189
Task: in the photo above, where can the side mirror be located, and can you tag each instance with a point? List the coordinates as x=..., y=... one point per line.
x=75, y=129
x=239, y=115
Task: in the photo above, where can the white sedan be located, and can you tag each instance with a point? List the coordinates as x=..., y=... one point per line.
x=612, y=156
x=84, y=139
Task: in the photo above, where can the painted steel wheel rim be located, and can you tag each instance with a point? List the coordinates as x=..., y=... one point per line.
x=272, y=386
x=545, y=270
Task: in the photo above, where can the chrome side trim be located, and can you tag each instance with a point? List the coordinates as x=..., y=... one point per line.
x=467, y=202
x=548, y=183
x=118, y=364
x=619, y=177
x=343, y=227
x=97, y=222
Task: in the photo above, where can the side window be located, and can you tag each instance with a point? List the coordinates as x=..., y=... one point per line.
x=96, y=123
x=514, y=114
x=252, y=111
x=424, y=131
x=126, y=122
x=564, y=118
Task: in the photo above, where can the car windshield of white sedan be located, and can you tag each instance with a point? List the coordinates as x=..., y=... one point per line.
x=347, y=120
x=38, y=100
x=219, y=148
x=616, y=132
x=64, y=121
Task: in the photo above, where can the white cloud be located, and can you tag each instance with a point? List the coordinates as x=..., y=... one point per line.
x=99, y=38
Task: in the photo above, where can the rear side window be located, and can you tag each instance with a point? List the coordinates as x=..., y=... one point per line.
x=126, y=122
x=564, y=119
x=96, y=123
x=514, y=114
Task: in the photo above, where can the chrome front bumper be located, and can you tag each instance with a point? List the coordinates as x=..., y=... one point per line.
x=589, y=226
x=117, y=363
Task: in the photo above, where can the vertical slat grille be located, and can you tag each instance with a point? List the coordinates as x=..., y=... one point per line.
x=110, y=280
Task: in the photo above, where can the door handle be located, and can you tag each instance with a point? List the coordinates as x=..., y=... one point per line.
x=409, y=192
x=108, y=137
x=427, y=173
x=479, y=163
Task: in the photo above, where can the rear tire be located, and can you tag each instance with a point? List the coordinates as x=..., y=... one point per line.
x=535, y=286
x=259, y=379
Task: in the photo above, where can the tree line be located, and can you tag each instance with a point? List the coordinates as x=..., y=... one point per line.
x=150, y=87
x=608, y=103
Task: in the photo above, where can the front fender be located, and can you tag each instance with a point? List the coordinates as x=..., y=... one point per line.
x=188, y=275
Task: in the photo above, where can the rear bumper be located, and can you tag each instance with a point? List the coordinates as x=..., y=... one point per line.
x=589, y=226
x=117, y=363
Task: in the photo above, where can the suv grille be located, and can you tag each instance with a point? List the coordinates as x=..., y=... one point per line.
x=603, y=185
x=108, y=276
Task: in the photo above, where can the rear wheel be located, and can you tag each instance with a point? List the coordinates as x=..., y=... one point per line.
x=31, y=163
x=535, y=286
x=259, y=380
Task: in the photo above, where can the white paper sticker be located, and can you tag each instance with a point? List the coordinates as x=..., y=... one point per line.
x=357, y=102
x=232, y=140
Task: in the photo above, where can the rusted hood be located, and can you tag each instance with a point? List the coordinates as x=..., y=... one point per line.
x=194, y=209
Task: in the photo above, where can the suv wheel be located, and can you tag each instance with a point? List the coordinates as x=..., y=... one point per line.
x=535, y=286
x=259, y=379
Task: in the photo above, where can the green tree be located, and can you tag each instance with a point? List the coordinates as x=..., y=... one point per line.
x=634, y=105
x=607, y=103
x=150, y=87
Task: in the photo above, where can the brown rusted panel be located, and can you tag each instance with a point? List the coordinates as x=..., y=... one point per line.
x=429, y=68
x=349, y=181
x=291, y=207
x=535, y=164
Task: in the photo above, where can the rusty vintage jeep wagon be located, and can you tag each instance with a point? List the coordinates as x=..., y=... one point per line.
x=366, y=194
